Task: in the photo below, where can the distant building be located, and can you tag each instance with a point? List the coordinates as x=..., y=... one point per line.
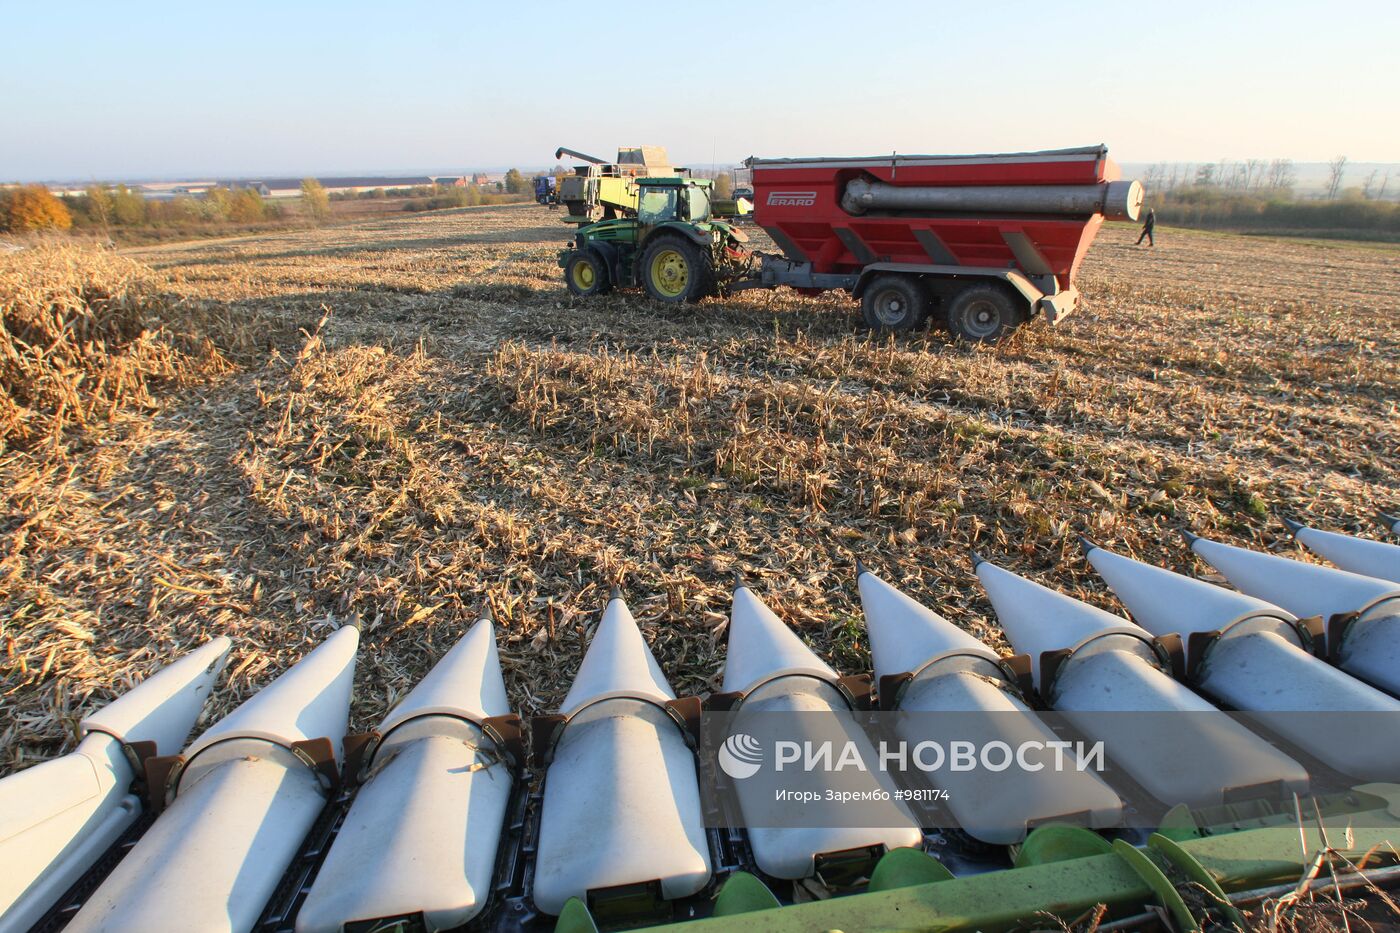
x=450, y=181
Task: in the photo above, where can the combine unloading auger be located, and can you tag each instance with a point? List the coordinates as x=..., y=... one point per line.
x=275, y=820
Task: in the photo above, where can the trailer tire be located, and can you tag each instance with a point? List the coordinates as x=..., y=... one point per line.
x=984, y=312
x=586, y=274
x=894, y=304
x=675, y=270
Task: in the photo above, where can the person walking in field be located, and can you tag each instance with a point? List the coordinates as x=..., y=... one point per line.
x=1147, y=224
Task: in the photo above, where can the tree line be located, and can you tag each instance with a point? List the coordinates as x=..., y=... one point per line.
x=117, y=210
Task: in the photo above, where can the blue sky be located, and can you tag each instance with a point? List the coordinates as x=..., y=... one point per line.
x=133, y=89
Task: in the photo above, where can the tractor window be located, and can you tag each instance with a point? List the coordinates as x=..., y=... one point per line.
x=699, y=205
x=657, y=205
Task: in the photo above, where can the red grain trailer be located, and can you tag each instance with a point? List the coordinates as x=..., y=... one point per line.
x=981, y=242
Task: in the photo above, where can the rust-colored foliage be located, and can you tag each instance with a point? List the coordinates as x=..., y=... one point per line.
x=30, y=208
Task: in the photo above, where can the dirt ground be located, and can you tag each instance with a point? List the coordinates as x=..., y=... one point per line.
x=435, y=424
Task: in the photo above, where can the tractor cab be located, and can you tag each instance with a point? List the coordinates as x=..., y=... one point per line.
x=668, y=200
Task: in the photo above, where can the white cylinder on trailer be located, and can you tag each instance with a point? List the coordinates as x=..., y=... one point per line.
x=1357, y=555
x=58, y=817
x=1195, y=760
x=1259, y=665
x=421, y=835
x=621, y=797
x=243, y=806
x=784, y=676
x=957, y=674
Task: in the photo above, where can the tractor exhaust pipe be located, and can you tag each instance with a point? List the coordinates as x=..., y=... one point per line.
x=776, y=672
x=73, y=808
x=954, y=673
x=1116, y=200
x=1251, y=657
x=439, y=789
x=245, y=800
x=1113, y=668
x=1370, y=645
x=621, y=797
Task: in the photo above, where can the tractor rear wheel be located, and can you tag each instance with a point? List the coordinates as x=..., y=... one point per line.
x=985, y=312
x=894, y=304
x=586, y=274
x=674, y=270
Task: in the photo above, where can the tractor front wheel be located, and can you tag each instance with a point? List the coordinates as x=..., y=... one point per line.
x=586, y=275
x=676, y=270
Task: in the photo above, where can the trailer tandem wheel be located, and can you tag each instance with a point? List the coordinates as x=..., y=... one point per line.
x=984, y=312
x=894, y=303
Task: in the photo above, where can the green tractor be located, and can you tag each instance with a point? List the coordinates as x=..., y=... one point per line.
x=672, y=248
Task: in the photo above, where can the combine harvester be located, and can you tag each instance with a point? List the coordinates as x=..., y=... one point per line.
x=979, y=243
x=274, y=820
x=603, y=190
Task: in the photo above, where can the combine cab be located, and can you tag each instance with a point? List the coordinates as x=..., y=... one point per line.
x=978, y=244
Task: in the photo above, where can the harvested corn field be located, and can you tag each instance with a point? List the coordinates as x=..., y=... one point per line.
x=405, y=418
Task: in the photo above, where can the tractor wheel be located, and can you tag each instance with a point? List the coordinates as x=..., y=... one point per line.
x=985, y=312
x=894, y=304
x=674, y=269
x=586, y=275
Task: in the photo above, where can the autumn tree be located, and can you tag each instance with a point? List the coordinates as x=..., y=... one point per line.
x=99, y=205
x=246, y=206
x=128, y=207
x=516, y=183
x=315, y=199
x=32, y=207
x=724, y=185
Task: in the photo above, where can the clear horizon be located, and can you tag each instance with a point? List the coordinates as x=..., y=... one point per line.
x=334, y=89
